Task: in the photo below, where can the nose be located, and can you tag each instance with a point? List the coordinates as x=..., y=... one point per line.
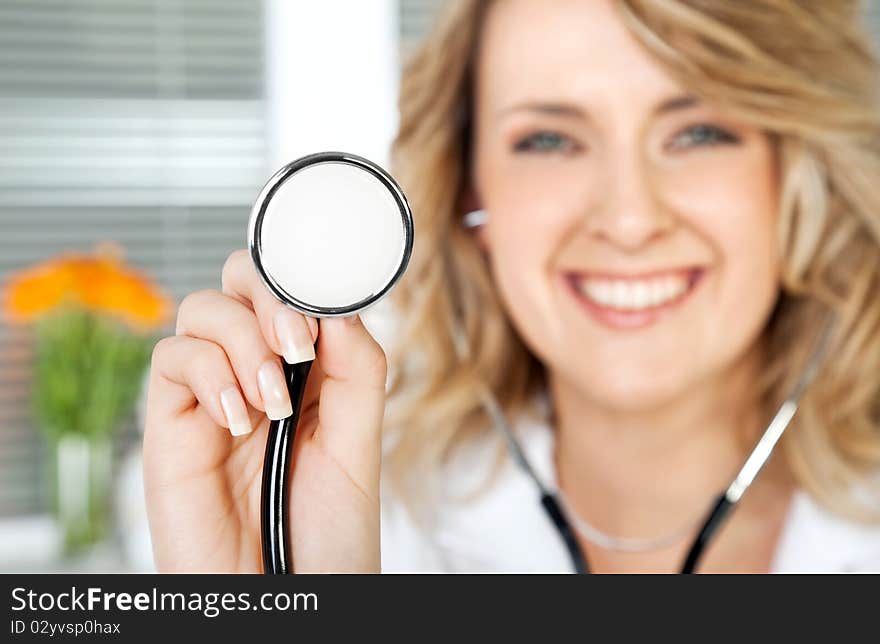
x=627, y=211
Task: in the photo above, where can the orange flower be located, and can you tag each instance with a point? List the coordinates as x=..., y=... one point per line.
x=100, y=282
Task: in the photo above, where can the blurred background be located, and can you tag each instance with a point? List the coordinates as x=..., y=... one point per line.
x=137, y=133
x=153, y=124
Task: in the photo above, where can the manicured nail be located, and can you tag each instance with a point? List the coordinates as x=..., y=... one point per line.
x=294, y=337
x=353, y=319
x=274, y=390
x=236, y=412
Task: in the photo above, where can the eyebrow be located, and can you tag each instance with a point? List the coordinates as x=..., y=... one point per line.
x=673, y=104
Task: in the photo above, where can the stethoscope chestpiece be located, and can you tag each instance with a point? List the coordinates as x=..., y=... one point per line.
x=330, y=234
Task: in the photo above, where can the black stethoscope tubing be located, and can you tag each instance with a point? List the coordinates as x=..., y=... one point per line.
x=275, y=506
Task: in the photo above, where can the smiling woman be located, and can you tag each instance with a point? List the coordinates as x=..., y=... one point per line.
x=635, y=221
x=678, y=202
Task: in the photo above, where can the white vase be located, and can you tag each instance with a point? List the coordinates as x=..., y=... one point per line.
x=83, y=471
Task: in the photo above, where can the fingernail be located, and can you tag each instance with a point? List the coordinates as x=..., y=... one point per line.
x=236, y=412
x=353, y=319
x=294, y=337
x=274, y=390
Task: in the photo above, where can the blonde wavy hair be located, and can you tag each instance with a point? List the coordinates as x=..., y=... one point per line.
x=803, y=71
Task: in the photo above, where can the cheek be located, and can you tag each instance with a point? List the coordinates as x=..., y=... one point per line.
x=523, y=236
x=733, y=207
x=744, y=285
x=521, y=250
x=530, y=204
x=750, y=266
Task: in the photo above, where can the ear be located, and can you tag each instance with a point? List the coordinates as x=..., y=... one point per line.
x=470, y=201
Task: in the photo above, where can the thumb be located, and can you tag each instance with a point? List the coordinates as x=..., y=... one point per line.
x=352, y=396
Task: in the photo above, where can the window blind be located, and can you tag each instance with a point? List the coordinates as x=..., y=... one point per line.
x=139, y=121
x=872, y=10
x=415, y=18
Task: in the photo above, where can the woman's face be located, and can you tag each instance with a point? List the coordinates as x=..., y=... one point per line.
x=632, y=228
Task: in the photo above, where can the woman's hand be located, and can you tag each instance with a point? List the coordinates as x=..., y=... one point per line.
x=211, y=386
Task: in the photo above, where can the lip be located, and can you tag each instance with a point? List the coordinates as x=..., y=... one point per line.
x=619, y=319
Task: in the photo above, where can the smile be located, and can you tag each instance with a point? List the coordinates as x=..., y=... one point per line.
x=636, y=301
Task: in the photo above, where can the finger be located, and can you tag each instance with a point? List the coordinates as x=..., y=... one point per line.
x=210, y=315
x=187, y=370
x=352, y=399
x=288, y=332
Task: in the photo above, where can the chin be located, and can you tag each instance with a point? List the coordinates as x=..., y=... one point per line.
x=636, y=390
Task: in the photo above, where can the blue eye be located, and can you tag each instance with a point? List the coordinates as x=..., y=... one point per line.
x=704, y=135
x=544, y=142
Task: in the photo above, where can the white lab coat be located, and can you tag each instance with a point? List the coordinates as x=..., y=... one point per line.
x=506, y=530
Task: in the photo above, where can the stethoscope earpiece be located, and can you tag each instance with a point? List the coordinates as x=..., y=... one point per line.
x=474, y=218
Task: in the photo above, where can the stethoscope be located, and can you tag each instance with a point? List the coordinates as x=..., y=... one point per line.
x=330, y=235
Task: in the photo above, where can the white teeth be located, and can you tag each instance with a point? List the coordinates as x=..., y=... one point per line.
x=633, y=295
